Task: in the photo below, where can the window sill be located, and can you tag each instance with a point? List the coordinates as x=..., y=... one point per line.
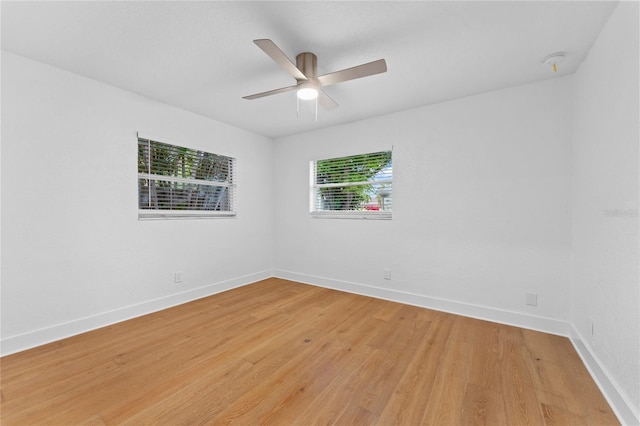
x=361, y=215
x=183, y=214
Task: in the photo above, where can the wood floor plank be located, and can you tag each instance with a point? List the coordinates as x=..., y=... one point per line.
x=321, y=373
x=415, y=388
x=450, y=383
x=281, y=353
x=332, y=402
x=556, y=416
x=487, y=354
x=482, y=407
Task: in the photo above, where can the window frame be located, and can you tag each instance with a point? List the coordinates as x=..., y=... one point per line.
x=346, y=214
x=230, y=183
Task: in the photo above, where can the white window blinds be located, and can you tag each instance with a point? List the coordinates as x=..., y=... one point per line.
x=178, y=182
x=358, y=186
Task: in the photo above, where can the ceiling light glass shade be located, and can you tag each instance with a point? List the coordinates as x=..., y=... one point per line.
x=307, y=91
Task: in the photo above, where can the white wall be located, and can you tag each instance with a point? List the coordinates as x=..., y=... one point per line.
x=74, y=254
x=605, y=277
x=481, y=209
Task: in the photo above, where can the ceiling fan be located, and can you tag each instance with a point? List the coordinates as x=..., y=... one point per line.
x=305, y=71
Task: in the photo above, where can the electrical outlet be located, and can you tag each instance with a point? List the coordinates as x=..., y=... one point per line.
x=532, y=299
x=387, y=274
x=177, y=277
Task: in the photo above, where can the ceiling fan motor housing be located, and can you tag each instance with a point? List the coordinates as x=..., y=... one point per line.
x=307, y=62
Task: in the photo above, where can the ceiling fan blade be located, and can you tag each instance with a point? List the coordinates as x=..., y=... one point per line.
x=280, y=58
x=364, y=70
x=271, y=92
x=326, y=102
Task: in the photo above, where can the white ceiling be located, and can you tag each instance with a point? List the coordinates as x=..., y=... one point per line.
x=199, y=56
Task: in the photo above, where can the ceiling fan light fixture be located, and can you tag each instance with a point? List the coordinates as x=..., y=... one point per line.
x=307, y=92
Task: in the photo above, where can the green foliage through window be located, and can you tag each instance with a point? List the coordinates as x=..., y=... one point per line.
x=177, y=179
x=360, y=183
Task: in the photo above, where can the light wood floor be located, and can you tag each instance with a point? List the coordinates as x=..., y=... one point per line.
x=278, y=352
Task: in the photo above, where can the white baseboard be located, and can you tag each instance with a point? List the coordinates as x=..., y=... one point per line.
x=532, y=322
x=21, y=342
x=609, y=387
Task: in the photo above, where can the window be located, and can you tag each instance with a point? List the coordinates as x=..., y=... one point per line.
x=178, y=182
x=356, y=187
